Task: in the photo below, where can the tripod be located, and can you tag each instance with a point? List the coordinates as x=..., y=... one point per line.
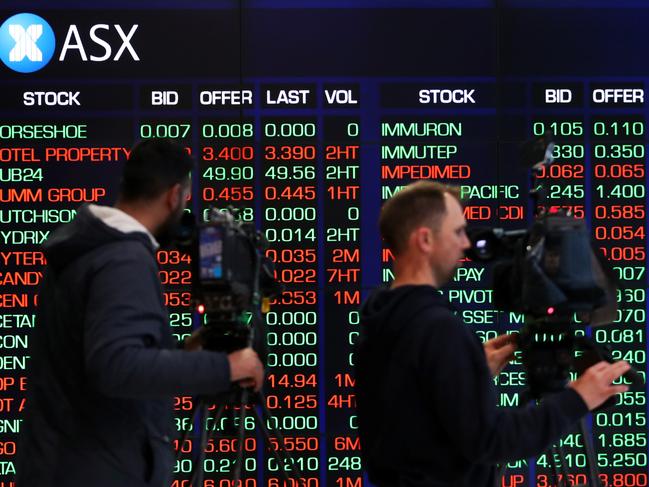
x=243, y=398
x=224, y=333
x=548, y=366
x=558, y=456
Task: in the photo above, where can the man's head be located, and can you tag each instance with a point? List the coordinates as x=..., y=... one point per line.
x=424, y=224
x=155, y=185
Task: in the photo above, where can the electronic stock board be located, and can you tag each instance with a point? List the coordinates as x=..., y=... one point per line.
x=307, y=116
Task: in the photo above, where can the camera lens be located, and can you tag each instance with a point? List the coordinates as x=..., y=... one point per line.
x=483, y=244
x=482, y=248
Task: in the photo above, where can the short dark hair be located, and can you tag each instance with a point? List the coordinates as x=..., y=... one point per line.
x=154, y=166
x=419, y=203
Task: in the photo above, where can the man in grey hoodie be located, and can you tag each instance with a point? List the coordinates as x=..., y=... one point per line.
x=105, y=366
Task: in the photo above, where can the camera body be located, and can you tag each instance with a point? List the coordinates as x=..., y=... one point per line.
x=231, y=278
x=553, y=275
x=549, y=270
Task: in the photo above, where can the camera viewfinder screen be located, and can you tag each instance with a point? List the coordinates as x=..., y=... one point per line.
x=211, y=253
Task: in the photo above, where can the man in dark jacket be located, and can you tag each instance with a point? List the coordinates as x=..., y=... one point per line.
x=426, y=399
x=105, y=366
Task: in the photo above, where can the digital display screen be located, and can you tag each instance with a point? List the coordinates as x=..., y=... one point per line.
x=307, y=116
x=210, y=250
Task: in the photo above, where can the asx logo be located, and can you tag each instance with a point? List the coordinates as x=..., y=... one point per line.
x=27, y=43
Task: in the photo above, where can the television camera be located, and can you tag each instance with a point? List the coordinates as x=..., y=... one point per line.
x=232, y=280
x=233, y=283
x=554, y=276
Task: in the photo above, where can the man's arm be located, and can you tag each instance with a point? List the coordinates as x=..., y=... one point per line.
x=122, y=336
x=463, y=398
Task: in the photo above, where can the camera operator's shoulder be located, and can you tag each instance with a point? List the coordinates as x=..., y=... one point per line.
x=439, y=337
x=441, y=312
x=133, y=253
x=435, y=320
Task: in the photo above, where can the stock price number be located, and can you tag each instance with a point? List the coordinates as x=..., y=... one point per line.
x=229, y=193
x=293, y=338
x=562, y=171
x=625, y=315
x=273, y=193
x=286, y=129
x=620, y=212
x=623, y=232
x=607, y=171
x=568, y=151
x=564, y=129
x=228, y=153
x=568, y=191
x=249, y=482
x=290, y=152
x=631, y=295
x=172, y=257
x=230, y=445
x=292, y=380
x=617, y=419
x=291, y=482
x=621, y=191
x=618, y=440
x=292, y=360
x=174, y=299
x=300, y=463
x=290, y=234
x=634, y=357
x=285, y=213
x=297, y=256
x=227, y=130
x=629, y=273
x=638, y=254
x=210, y=465
x=244, y=214
x=624, y=335
x=294, y=443
x=344, y=463
x=290, y=172
x=578, y=211
x=623, y=479
x=618, y=128
x=234, y=173
x=626, y=459
x=180, y=319
x=297, y=297
x=543, y=480
x=619, y=151
x=175, y=278
x=171, y=131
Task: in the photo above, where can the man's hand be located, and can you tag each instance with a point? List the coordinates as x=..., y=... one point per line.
x=594, y=386
x=194, y=341
x=246, y=368
x=499, y=352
